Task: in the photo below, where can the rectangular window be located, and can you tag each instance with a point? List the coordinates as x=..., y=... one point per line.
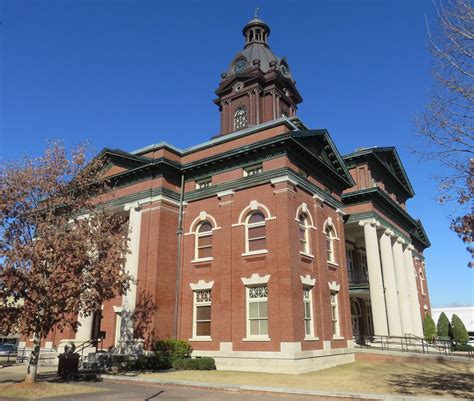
x=202, y=313
x=335, y=314
x=330, y=254
x=308, y=312
x=204, y=183
x=253, y=170
x=350, y=259
x=256, y=238
x=257, y=311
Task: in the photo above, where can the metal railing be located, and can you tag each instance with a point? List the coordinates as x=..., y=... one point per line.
x=358, y=277
x=407, y=343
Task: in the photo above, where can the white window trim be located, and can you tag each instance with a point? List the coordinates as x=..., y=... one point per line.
x=337, y=334
x=248, y=336
x=305, y=226
x=203, y=215
x=309, y=282
x=304, y=209
x=202, y=285
x=309, y=336
x=202, y=181
x=253, y=206
x=195, y=337
x=247, y=242
x=198, y=235
x=308, y=255
x=421, y=275
x=255, y=280
x=256, y=166
x=331, y=236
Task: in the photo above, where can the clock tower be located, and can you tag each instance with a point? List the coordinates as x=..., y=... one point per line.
x=258, y=86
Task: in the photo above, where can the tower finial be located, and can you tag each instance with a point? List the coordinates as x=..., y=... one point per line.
x=257, y=10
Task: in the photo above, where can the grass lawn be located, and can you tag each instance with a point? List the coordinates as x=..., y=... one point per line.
x=40, y=390
x=437, y=379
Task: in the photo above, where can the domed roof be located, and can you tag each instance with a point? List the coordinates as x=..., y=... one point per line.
x=257, y=52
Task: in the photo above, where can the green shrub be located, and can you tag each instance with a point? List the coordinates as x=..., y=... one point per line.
x=442, y=328
x=429, y=328
x=194, y=364
x=207, y=363
x=149, y=362
x=460, y=335
x=172, y=349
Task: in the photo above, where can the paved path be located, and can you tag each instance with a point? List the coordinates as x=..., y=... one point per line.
x=128, y=389
x=149, y=392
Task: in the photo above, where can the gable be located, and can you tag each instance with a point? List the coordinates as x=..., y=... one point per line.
x=116, y=161
x=390, y=159
x=320, y=144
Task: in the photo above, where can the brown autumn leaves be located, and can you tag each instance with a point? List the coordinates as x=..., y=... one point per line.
x=61, y=252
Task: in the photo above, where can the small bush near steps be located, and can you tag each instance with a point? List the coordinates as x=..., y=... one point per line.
x=194, y=364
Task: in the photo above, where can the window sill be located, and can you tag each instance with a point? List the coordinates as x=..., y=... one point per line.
x=210, y=259
x=256, y=338
x=203, y=338
x=253, y=253
x=306, y=255
x=311, y=338
x=332, y=264
x=337, y=338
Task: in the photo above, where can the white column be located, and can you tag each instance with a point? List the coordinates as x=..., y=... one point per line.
x=84, y=331
x=375, y=277
x=400, y=274
x=131, y=266
x=390, y=283
x=417, y=325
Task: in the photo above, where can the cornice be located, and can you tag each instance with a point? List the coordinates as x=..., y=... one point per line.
x=389, y=205
x=379, y=196
x=372, y=154
x=261, y=179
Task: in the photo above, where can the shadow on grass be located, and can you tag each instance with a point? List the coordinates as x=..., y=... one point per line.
x=459, y=384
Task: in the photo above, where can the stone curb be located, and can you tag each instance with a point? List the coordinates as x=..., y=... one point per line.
x=281, y=390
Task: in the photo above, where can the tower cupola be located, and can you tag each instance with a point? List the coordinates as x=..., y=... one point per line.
x=258, y=85
x=256, y=31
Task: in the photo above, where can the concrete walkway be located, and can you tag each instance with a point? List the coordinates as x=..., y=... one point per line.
x=318, y=394
x=133, y=388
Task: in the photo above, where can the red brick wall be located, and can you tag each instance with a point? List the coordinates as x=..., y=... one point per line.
x=283, y=262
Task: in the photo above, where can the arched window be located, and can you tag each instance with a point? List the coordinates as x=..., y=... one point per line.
x=303, y=233
x=422, y=282
x=240, y=118
x=203, y=249
x=330, y=236
x=255, y=227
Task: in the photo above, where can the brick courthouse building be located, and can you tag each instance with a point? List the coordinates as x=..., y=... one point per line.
x=264, y=247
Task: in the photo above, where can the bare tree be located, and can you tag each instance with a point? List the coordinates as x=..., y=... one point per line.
x=447, y=123
x=61, y=253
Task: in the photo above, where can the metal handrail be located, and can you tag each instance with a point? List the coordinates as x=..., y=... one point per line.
x=406, y=342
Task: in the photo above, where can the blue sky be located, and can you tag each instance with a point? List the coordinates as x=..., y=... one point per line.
x=125, y=74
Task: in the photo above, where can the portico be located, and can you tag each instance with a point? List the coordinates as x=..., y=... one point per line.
x=390, y=283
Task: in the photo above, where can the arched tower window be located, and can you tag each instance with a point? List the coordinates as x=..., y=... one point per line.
x=304, y=233
x=422, y=282
x=255, y=226
x=203, y=248
x=330, y=236
x=240, y=118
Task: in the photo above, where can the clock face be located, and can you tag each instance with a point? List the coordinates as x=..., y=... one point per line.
x=240, y=66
